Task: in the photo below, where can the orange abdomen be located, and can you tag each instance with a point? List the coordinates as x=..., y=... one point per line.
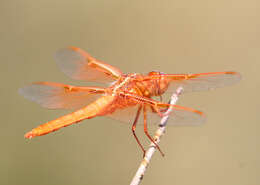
x=87, y=112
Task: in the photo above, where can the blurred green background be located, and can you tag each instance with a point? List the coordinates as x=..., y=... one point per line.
x=136, y=36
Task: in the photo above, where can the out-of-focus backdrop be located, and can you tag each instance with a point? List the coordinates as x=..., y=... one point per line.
x=136, y=36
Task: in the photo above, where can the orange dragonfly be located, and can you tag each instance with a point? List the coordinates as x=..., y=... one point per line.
x=127, y=99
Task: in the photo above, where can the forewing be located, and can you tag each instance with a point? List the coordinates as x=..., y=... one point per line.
x=60, y=96
x=79, y=65
x=199, y=82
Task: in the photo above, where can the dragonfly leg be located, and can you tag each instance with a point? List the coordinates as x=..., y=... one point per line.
x=134, y=127
x=157, y=110
x=147, y=134
x=160, y=112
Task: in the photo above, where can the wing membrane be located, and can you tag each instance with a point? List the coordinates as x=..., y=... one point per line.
x=127, y=115
x=60, y=96
x=79, y=65
x=180, y=116
x=199, y=82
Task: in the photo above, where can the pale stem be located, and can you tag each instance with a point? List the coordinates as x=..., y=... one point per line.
x=158, y=134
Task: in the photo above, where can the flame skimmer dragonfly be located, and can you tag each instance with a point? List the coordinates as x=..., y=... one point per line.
x=127, y=99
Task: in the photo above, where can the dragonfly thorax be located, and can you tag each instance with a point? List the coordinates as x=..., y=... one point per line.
x=153, y=84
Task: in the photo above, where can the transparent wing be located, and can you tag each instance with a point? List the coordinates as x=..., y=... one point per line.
x=126, y=115
x=180, y=116
x=199, y=82
x=60, y=96
x=79, y=65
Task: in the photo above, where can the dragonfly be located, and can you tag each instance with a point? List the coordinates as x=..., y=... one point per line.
x=128, y=98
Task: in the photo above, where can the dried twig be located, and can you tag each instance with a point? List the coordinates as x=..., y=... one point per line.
x=160, y=131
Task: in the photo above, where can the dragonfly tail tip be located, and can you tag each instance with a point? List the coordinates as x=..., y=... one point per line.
x=29, y=135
